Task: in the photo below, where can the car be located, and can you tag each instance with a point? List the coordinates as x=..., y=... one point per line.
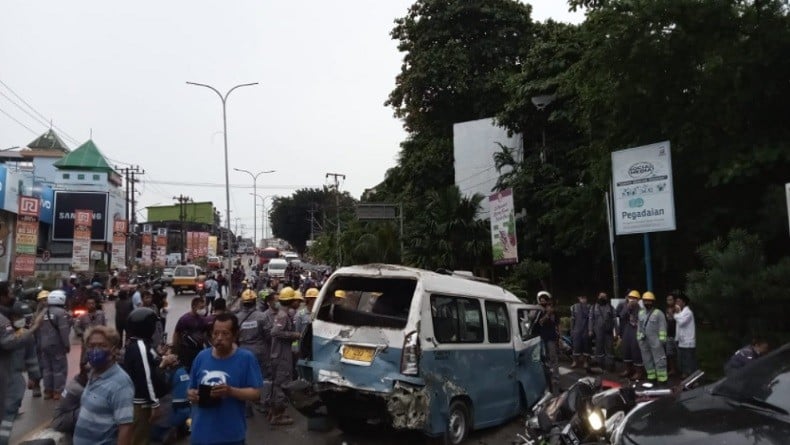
x=214, y=263
x=187, y=277
x=167, y=275
x=750, y=405
x=276, y=267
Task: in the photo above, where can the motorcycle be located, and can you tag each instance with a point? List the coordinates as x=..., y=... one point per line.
x=591, y=411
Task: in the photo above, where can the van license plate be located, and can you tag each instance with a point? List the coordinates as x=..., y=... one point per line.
x=358, y=354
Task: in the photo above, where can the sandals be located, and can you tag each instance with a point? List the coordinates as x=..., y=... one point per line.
x=282, y=420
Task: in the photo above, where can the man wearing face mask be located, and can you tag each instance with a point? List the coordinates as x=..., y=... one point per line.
x=55, y=344
x=190, y=333
x=652, y=335
x=283, y=335
x=106, y=407
x=23, y=359
x=601, y=325
x=628, y=315
x=550, y=338
x=252, y=335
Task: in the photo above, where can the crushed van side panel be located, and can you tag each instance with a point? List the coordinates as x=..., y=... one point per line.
x=408, y=406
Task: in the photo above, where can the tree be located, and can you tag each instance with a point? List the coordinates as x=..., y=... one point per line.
x=290, y=216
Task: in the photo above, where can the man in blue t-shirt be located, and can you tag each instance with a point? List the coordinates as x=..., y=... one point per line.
x=221, y=380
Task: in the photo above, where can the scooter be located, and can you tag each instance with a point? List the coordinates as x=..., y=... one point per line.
x=586, y=414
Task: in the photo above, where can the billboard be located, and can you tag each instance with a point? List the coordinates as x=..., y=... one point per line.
x=13, y=184
x=644, y=200
x=474, y=145
x=195, y=212
x=26, y=236
x=504, y=244
x=81, y=250
x=65, y=205
x=119, y=244
x=47, y=197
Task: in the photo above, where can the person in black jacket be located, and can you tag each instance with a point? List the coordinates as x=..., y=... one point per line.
x=141, y=362
x=123, y=307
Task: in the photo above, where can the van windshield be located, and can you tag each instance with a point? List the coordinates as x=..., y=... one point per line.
x=364, y=301
x=184, y=271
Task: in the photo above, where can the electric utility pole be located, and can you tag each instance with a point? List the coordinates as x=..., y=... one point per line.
x=335, y=176
x=182, y=216
x=131, y=219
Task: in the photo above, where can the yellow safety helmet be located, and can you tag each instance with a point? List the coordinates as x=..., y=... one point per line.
x=42, y=295
x=287, y=293
x=298, y=295
x=311, y=293
x=340, y=293
x=648, y=296
x=248, y=295
x=634, y=294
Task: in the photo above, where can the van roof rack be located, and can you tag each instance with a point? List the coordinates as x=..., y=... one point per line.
x=466, y=274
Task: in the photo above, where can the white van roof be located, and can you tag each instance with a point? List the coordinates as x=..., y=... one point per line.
x=432, y=281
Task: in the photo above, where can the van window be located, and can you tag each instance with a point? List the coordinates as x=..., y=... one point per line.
x=184, y=271
x=497, y=322
x=456, y=319
x=380, y=302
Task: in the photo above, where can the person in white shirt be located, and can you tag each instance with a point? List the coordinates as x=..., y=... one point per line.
x=686, y=335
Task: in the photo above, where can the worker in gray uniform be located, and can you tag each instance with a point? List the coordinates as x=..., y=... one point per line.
x=53, y=338
x=284, y=333
x=270, y=308
x=580, y=317
x=628, y=314
x=11, y=340
x=252, y=335
x=23, y=359
x=601, y=327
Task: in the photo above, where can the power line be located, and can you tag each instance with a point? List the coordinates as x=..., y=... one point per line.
x=36, y=111
x=238, y=186
x=18, y=122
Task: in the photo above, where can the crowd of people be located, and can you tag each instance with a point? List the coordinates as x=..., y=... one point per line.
x=654, y=345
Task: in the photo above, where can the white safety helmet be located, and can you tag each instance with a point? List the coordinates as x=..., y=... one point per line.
x=545, y=294
x=56, y=298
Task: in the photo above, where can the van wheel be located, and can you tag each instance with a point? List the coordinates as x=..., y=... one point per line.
x=459, y=423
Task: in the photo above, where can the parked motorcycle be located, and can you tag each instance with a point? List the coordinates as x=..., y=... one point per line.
x=591, y=411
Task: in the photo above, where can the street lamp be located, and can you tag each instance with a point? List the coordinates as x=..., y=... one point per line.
x=224, y=100
x=254, y=202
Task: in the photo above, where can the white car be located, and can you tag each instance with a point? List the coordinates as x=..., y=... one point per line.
x=276, y=267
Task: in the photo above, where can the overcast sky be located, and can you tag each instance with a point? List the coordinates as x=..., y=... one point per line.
x=119, y=69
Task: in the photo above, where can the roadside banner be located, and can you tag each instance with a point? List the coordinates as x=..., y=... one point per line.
x=147, y=250
x=212, y=245
x=119, y=244
x=161, y=247
x=81, y=250
x=203, y=244
x=26, y=236
x=504, y=244
x=643, y=195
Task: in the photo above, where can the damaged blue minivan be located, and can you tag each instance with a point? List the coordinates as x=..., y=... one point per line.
x=438, y=352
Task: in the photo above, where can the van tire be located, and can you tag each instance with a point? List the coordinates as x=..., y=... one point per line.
x=459, y=423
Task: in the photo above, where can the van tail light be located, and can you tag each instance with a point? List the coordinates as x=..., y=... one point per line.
x=410, y=358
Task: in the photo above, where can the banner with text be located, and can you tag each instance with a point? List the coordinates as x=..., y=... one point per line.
x=147, y=249
x=644, y=200
x=504, y=245
x=81, y=250
x=26, y=236
x=212, y=245
x=119, y=244
x=161, y=247
x=203, y=244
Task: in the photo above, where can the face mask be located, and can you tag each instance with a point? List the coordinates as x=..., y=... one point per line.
x=19, y=324
x=277, y=306
x=98, y=357
x=602, y=302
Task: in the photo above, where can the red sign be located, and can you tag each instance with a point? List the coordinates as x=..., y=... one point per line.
x=24, y=264
x=29, y=206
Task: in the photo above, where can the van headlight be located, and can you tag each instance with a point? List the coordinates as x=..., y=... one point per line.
x=595, y=420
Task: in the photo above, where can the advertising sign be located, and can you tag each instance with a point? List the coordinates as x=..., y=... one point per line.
x=119, y=244
x=147, y=251
x=16, y=184
x=64, y=213
x=47, y=197
x=212, y=245
x=26, y=236
x=81, y=250
x=643, y=196
x=161, y=247
x=504, y=245
x=203, y=244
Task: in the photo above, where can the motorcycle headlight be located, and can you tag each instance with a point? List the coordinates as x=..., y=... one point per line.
x=595, y=420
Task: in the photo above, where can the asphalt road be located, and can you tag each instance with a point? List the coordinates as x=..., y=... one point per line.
x=38, y=412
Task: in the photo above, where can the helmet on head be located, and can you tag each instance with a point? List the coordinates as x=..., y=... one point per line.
x=544, y=294
x=340, y=293
x=648, y=296
x=311, y=293
x=248, y=295
x=634, y=294
x=56, y=298
x=298, y=295
x=42, y=295
x=22, y=309
x=142, y=323
x=287, y=293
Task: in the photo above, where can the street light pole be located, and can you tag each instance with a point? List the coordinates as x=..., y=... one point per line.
x=254, y=202
x=224, y=100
